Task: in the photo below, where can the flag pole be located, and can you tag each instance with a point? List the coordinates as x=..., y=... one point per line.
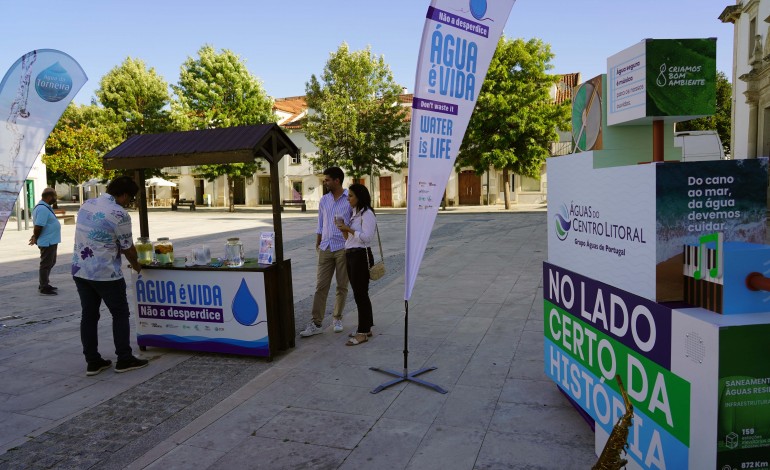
x=405, y=376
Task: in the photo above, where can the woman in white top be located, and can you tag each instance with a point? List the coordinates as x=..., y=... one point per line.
x=358, y=236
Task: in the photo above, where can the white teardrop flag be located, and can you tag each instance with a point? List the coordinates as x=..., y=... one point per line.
x=33, y=95
x=458, y=42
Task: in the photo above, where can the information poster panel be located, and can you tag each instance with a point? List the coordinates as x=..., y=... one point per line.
x=670, y=79
x=594, y=331
x=628, y=225
x=627, y=85
x=744, y=397
x=681, y=77
x=699, y=198
x=217, y=311
x=601, y=222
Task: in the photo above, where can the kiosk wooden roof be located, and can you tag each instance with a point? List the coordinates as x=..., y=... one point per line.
x=242, y=144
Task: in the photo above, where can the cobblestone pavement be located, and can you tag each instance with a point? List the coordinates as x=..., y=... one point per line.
x=111, y=434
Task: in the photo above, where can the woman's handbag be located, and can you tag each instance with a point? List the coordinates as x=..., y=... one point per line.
x=377, y=270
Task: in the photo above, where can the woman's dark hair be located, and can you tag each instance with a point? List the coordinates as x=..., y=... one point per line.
x=363, y=196
x=122, y=185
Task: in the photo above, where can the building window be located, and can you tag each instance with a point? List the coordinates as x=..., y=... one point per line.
x=296, y=159
x=406, y=151
x=530, y=184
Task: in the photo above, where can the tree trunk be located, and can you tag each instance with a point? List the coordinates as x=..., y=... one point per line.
x=506, y=188
x=371, y=188
x=230, y=193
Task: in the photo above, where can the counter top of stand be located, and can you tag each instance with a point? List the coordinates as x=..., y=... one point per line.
x=250, y=264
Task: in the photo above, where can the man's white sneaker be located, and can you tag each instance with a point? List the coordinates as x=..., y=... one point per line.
x=311, y=330
x=338, y=326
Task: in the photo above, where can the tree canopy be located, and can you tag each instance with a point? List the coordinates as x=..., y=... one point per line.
x=75, y=147
x=355, y=118
x=515, y=119
x=720, y=121
x=137, y=96
x=216, y=90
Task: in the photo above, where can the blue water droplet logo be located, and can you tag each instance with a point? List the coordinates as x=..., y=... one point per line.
x=245, y=307
x=478, y=9
x=53, y=84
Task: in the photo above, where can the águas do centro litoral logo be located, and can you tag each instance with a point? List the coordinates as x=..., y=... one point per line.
x=584, y=219
x=562, y=223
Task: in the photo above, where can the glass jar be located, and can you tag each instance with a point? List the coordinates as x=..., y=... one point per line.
x=164, y=251
x=234, y=253
x=144, y=250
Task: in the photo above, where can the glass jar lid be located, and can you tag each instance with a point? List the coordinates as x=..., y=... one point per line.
x=163, y=239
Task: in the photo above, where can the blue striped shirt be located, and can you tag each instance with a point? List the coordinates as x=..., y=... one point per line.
x=328, y=207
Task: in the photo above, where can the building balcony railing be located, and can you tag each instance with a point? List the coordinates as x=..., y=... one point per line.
x=561, y=148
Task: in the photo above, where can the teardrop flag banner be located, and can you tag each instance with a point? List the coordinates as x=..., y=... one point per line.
x=33, y=95
x=458, y=42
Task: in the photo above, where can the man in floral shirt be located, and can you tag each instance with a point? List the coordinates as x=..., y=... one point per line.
x=102, y=234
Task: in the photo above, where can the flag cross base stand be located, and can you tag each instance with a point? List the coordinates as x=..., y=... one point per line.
x=406, y=377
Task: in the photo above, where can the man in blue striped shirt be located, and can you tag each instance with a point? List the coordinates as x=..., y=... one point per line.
x=330, y=245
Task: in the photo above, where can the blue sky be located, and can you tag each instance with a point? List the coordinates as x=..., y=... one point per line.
x=285, y=42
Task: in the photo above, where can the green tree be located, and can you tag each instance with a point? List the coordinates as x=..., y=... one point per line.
x=217, y=90
x=137, y=96
x=356, y=119
x=720, y=121
x=75, y=147
x=515, y=119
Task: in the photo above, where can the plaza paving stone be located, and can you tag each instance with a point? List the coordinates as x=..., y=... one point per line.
x=476, y=314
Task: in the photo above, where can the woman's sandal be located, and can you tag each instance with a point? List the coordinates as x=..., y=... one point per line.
x=353, y=334
x=358, y=339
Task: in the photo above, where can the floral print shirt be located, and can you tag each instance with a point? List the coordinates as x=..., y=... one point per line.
x=103, y=229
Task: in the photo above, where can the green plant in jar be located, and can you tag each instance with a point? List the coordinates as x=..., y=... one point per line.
x=144, y=250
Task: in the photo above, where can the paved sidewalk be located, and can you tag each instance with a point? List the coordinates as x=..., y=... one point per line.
x=475, y=313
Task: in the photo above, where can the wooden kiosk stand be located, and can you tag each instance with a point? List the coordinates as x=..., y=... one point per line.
x=247, y=310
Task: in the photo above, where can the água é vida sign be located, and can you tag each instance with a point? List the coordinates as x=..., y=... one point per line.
x=452, y=75
x=594, y=331
x=201, y=296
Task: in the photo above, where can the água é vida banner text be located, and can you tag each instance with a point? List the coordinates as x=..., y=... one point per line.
x=33, y=95
x=458, y=42
x=213, y=311
x=594, y=331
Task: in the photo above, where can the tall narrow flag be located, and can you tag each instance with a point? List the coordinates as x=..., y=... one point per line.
x=33, y=95
x=458, y=42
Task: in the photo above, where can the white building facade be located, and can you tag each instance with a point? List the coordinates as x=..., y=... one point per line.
x=750, y=129
x=299, y=180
